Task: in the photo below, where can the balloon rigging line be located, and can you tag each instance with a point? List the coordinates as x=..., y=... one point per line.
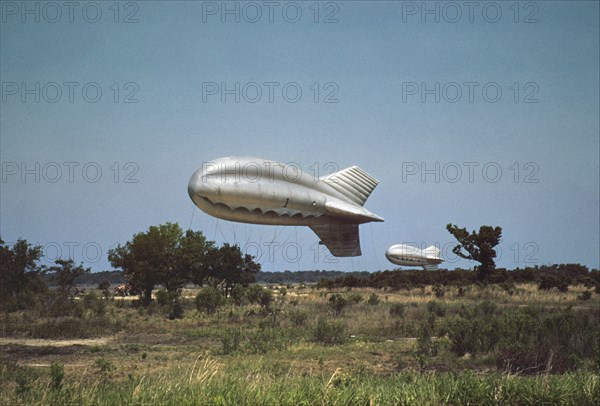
x=215, y=233
x=276, y=235
x=286, y=240
x=233, y=227
x=192, y=218
x=373, y=246
x=220, y=231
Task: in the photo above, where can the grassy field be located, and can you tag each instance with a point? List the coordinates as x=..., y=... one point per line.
x=476, y=345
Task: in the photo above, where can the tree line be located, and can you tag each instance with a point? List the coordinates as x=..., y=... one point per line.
x=558, y=276
x=21, y=283
x=162, y=255
x=165, y=255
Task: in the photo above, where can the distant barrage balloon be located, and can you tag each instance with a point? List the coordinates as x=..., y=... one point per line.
x=259, y=191
x=407, y=255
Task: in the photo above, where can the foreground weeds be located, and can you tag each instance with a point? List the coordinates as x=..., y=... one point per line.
x=209, y=383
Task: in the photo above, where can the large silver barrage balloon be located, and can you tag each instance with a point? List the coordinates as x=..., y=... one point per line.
x=259, y=191
x=407, y=255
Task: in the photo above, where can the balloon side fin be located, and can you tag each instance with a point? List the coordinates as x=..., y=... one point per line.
x=354, y=183
x=350, y=211
x=341, y=240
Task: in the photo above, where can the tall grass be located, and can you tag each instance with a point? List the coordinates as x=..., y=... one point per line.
x=209, y=383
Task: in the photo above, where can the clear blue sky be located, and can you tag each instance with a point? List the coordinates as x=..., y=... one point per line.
x=433, y=109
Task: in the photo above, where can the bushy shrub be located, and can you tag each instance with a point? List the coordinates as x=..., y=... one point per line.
x=437, y=308
x=524, y=340
x=57, y=305
x=94, y=303
x=355, y=297
x=265, y=299
x=238, y=294
x=330, y=332
x=267, y=339
x=536, y=340
x=104, y=368
x=509, y=287
x=425, y=347
x=460, y=333
x=170, y=304
x=473, y=330
x=66, y=327
x=438, y=290
x=337, y=303
x=397, y=310
x=298, y=317
x=373, y=299
x=253, y=293
x=487, y=307
x=209, y=299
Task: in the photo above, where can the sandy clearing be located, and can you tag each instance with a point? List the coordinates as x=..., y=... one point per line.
x=47, y=365
x=39, y=342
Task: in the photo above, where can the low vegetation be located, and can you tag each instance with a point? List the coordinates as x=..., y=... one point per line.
x=483, y=345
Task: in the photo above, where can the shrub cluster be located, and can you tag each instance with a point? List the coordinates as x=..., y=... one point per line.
x=558, y=276
x=524, y=340
x=330, y=332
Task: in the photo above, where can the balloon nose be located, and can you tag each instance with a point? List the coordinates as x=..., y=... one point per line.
x=389, y=254
x=198, y=186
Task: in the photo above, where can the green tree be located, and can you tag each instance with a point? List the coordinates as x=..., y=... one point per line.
x=104, y=286
x=193, y=257
x=227, y=264
x=164, y=255
x=66, y=274
x=477, y=246
x=19, y=271
x=150, y=259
